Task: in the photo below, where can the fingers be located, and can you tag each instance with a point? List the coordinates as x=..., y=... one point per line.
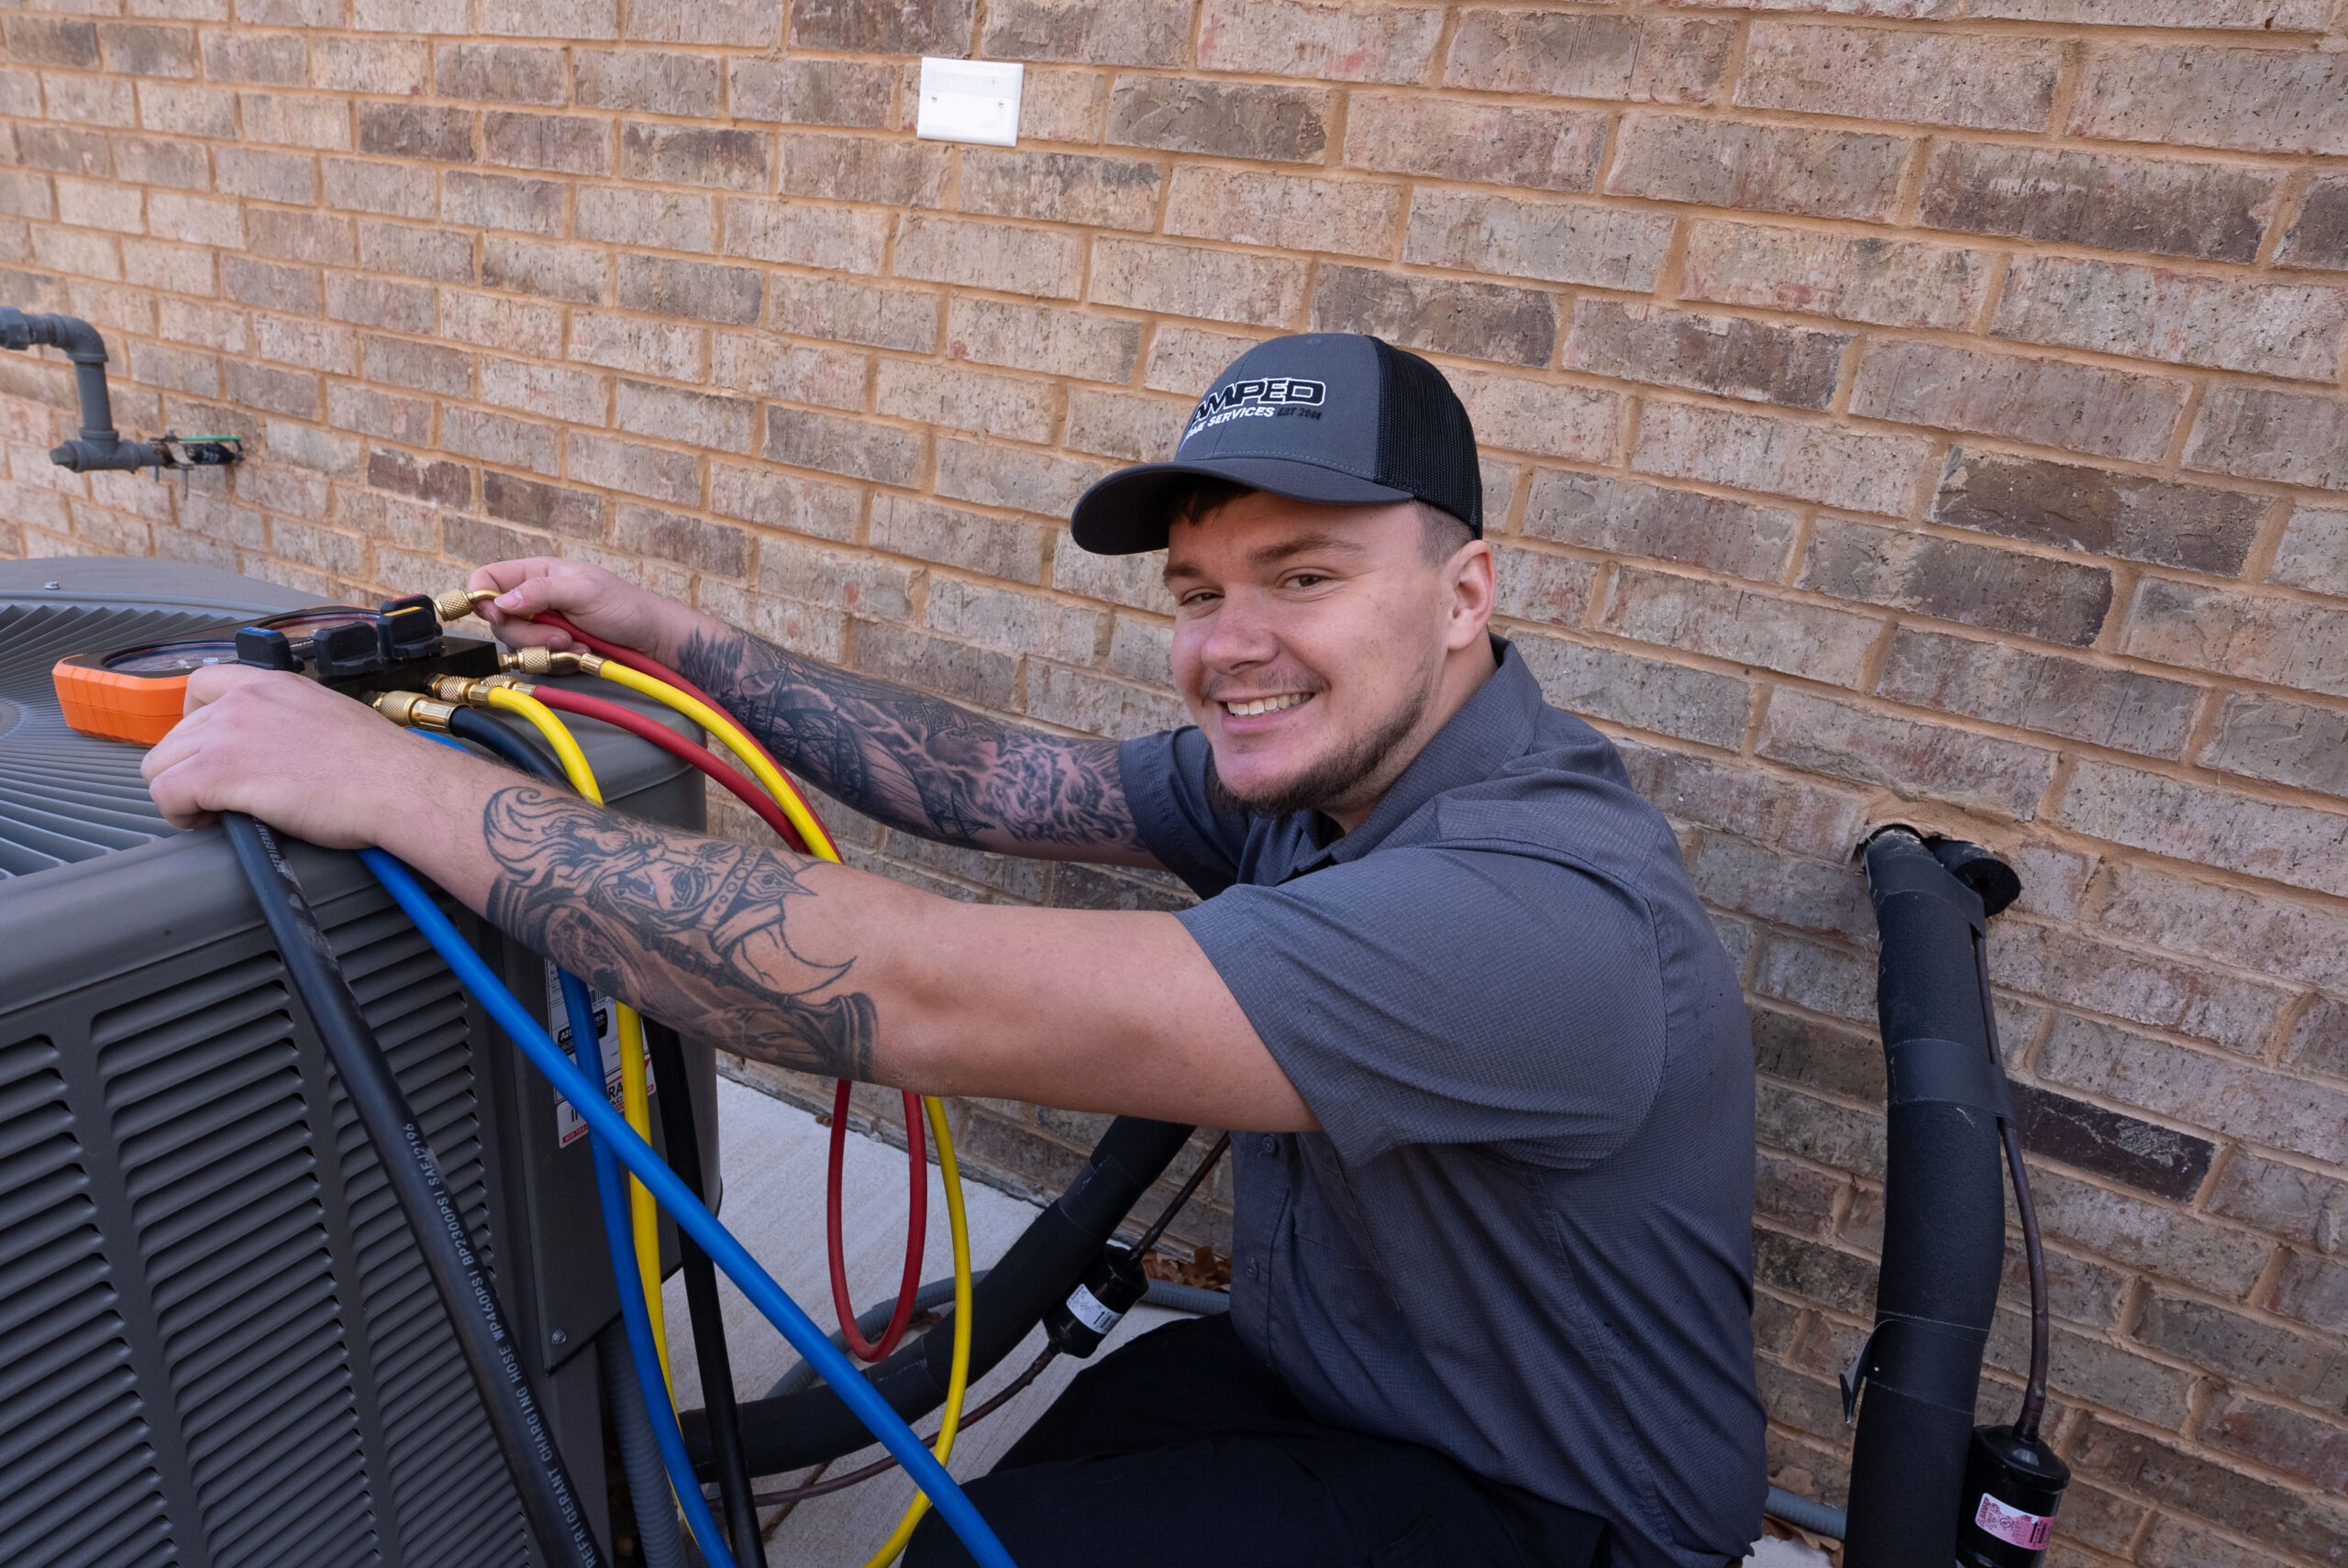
x=214, y=682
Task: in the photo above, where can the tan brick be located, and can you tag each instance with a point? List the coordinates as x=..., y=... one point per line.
x=1550, y=149
x=2261, y=433
x=161, y=160
x=380, y=301
x=2267, y=737
x=1276, y=123
x=577, y=514
x=806, y=235
x=1602, y=514
x=1041, y=337
x=2195, y=96
x=200, y=220
x=1858, y=470
x=86, y=152
x=955, y=669
x=296, y=120
x=1747, y=625
x=689, y=418
x=692, y=155
x=843, y=445
x=1563, y=242
x=499, y=73
x=1817, y=173
x=1013, y=406
x=1913, y=760
x=1126, y=425
x=313, y=345
x=514, y=326
x=561, y=144
x=2212, y=211
x=649, y=82
x=1981, y=81
x=989, y=475
x=2287, y=16
x=1138, y=580
x=1352, y=218
x=653, y=472
x=803, y=628
x=1975, y=585
x=1142, y=650
x=1645, y=694
x=495, y=438
x=2294, y=844
x=661, y=285
x=1480, y=321
x=1891, y=282
x=810, y=92
x=2227, y=1096
x=396, y=66
x=785, y=501
x=270, y=285
x=2052, y=403
x=265, y=175
x=719, y=548
x=45, y=40
x=766, y=367
x=2149, y=313
x=417, y=130
x=425, y=367
x=1062, y=103
x=2313, y=554
x=752, y=22
x=1015, y=623
x=1077, y=700
x=369, y=185
x=854, y=312
x=502, y=200
x=631, y=343
x=1099, y=32
x=851, y=582
x=2318, y=235
x=882, y=26
x=1729, y=356
x=1061, y=187
x=861, y=168
x=2265, y=638
x=1319, y=43
x=90, y=100
x=1183, y=280
x=1582, y=423
x=2096, y=510
x=1655, y=59
x=630, y=215
x=952, y=535
x=1033, y=261
x=575, y=272
x=2126, y=710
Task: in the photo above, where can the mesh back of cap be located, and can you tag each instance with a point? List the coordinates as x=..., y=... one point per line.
x=1424, y=442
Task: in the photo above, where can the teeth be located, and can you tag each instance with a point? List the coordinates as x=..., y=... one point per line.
x=1265, y=705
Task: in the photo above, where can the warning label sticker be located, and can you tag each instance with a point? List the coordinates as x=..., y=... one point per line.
x=568, y=1123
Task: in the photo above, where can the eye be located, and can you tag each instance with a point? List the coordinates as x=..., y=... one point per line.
x=1307, y=579
x=1195, y=598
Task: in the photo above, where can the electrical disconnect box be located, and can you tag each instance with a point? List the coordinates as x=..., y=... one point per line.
x=218, y=1343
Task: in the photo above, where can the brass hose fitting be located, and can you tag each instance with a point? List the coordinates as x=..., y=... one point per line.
x=470, y=691
x=548, y=661
x=458, y=603
x=414, y=709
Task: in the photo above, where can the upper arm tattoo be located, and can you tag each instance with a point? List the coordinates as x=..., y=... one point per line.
x=917, y=761
x=691, y=929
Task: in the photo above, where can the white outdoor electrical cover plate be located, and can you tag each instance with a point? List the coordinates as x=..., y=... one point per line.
x=969, y=100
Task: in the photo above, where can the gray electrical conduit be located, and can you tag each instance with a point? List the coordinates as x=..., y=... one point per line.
x=1819, y=1519
x=938, y=1292
x=656, y=1535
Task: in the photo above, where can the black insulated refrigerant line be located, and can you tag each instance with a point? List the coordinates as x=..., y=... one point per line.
x=1943, y=1224
x=814, y=1426
x=550, y=1501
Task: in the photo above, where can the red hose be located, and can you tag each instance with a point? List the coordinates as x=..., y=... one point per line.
x=916, y=1230
x=670, y=740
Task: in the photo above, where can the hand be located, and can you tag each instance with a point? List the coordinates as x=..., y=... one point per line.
x=590, y=597
x=280, y=748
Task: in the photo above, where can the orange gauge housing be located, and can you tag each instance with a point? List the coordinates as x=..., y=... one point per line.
x=137, y=694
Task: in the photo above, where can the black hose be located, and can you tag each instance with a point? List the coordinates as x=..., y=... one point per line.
x=472, y=725
x=1038, y=1271
x=1945, y=1219
x=658, y=1541
x=710, y=1352
x=2034, y=1398
x=492, y=1354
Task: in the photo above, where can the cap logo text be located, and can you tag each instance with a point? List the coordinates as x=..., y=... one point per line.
x=1259, y=397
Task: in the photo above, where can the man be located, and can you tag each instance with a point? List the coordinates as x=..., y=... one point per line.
x=1484, y=1060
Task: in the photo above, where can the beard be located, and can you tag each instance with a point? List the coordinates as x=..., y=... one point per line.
x=1329, y=781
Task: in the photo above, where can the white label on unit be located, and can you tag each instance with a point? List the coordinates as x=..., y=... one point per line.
x=969, y=100
x=569, y=1124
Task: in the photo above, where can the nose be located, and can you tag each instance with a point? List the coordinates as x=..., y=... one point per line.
x=1238, y=635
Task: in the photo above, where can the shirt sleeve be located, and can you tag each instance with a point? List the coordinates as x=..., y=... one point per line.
x=1447, y=995
x=1165, y=779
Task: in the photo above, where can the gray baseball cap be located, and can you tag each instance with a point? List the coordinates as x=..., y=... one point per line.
x=1327, y=416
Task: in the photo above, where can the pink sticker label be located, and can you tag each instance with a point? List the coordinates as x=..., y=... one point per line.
x=2028, y=1531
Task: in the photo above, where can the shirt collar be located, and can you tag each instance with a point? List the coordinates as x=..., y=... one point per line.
x=1493, y=726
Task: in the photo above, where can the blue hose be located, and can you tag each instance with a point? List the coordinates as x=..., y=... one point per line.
x=611, y=1131
x=611, y=1188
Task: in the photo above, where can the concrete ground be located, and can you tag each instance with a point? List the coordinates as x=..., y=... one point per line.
x=774, y=1158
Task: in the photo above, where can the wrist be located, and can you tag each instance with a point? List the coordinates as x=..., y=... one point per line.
x=679, y=627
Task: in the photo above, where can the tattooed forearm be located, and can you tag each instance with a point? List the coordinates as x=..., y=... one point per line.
x=690, y=930
x=916, y=761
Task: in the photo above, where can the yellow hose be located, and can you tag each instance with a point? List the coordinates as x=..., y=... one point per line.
x=819, y=842
x=958, y=1379
x=635, y=1098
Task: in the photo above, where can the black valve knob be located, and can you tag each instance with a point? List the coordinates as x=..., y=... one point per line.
x=265, y=649
x=412, y=628
x=355, y=648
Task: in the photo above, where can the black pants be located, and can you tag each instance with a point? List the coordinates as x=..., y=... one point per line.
x=1182, y=1450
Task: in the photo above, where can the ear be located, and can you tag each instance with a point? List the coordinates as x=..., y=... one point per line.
x=1469, y=590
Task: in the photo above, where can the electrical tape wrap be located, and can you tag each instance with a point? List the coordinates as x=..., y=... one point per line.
x=1944, y=1231
x=491, y=1354
x=816, y=1425
x=606, y=1129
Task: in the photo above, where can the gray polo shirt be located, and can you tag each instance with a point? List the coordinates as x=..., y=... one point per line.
x=1523, y=1236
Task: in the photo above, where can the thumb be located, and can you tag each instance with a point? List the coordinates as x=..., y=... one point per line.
x=512, y=612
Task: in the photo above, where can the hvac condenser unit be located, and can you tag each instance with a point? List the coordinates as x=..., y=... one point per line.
x=219, y=1346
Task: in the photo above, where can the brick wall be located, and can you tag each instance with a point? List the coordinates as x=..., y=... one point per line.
x=1933, y=414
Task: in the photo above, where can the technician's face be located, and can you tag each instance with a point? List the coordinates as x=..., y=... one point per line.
x=1309, y=641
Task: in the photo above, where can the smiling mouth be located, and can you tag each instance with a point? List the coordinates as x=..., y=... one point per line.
x=1259, y=705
